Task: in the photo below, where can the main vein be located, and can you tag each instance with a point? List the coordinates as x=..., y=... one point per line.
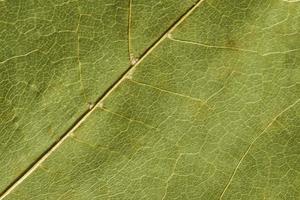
x=98, y=103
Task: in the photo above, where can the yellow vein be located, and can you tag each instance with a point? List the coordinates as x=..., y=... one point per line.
x=221, y=89
x=251, y=144
x=18, y=56
x=210, y=46
x=291, y=1
x=98, y=103
x=78, y=58
x=183, y=95
x=171, y=175
x=281, y=52
x=127, y=118
x=231, y=48
x=131, y=56
x=167, y=91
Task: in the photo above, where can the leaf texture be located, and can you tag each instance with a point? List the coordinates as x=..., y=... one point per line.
x=151, y=100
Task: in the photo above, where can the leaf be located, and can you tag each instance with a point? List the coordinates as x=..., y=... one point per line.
x=151, y=100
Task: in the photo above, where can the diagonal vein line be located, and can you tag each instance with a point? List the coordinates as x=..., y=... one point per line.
x=18, y=56
x=252, y=143
x=99, y=103
x=129, y=119
x=167, y=91
x=211, y=46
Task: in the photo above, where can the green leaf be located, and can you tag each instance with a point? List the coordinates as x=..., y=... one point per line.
x=139, y=99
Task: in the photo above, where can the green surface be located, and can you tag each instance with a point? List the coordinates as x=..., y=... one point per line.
x=211, y=111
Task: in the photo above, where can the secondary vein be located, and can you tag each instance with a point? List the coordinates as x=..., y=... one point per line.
x=252, y=143
x=131, y=56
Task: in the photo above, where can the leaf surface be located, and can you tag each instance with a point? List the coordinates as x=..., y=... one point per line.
x=150, y=99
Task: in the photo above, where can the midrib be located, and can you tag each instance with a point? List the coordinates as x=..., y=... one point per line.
x=98, y=103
